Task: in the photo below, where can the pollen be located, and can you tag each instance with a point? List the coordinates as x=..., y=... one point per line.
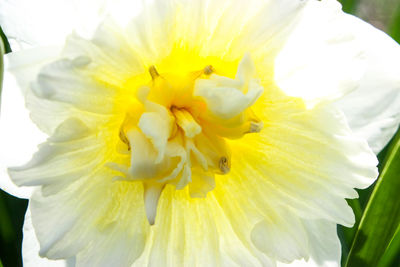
x=177, y=135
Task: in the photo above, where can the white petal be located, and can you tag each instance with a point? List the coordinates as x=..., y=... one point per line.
x=283, y=238
x=30, y=248
x=227, y=98
x=246, y=69
x=106, y=221
x=156, y=129
x=219, y=23
x=25, y=65
x=225, y=102
x=76, y=196
x=373, y=110
x=322, y=59
x=143, y=157
x=39, y=71
x=115, y=247
x=19, y=137
x=323, y=243
x=312, y=164
x=195, y=232
x=56, y=161
x=201, y=184
x=156, y=125
x=69, y=81
x=47, y=22
x=152, y=194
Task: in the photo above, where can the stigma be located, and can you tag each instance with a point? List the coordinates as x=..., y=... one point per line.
x=177, y=134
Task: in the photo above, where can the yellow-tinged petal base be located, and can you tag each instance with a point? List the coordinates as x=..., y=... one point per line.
x=171, y=144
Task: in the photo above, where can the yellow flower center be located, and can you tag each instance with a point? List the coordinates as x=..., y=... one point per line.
x=177, y=133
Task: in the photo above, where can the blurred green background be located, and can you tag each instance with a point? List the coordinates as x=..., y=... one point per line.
x=383, y=14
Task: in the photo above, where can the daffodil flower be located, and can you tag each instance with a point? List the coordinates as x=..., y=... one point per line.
x=191, y=133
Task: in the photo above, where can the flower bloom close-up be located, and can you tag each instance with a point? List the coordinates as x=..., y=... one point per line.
x=191, y=133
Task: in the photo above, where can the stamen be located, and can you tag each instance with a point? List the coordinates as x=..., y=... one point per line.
x=186, y=121
x=122, y=132
x=224, y=165
x=153, y=72
x=256, y=127
x=208, y=70
x=123, y=138
x=184, y=130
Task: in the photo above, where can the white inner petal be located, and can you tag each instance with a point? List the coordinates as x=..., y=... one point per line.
x=227, y=98
x=157, y=127
x=152, y=194
x=143, y=157
x=185, y=120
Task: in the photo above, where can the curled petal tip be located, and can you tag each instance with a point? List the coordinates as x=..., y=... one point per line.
x=151, y=196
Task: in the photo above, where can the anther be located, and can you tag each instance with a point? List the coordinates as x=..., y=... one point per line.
x=256, y=127
x=208, y=70
x=123, y=138
x=153, y=72
x=224, y=165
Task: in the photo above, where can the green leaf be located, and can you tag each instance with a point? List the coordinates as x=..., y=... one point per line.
x=391, y=254
x=6, y=226
x=394, y=27
x=7, y=47
x=381, y=218
x=1, y=64
x=350, y=6
x=349, y=233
